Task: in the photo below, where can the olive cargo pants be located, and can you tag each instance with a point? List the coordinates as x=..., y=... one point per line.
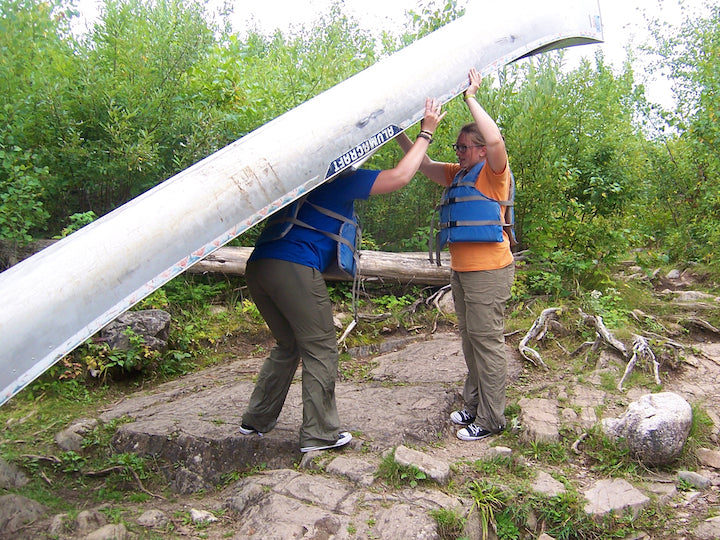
x=480, y=300
x=294, y=301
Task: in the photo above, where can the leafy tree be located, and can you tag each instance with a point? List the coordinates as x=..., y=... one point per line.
x=129, y=110
x=687, y=161
x=34, y=68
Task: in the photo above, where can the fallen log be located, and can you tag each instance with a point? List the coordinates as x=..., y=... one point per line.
x=408, y=267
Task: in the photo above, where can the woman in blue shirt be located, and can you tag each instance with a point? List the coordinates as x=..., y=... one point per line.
x=285, y=280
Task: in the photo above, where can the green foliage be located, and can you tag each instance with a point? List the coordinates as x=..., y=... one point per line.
x=684, y=210
x=78, y=221
x=499, y=465
x=487, y=499
x=552, y=452
x=449, y=523
x=391, y=302
x=700, y=435
x=609, y=457
x=396, y=475
x=610, y=306
x=21, y=190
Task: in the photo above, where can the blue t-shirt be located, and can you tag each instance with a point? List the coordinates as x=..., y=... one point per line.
x=311, y=248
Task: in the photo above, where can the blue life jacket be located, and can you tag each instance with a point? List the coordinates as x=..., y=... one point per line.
x=344, y=264
x=467, y=215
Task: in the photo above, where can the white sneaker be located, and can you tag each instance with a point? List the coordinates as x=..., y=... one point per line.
x=472, y=433
x=462, y=417
x=248, y=430
x=343, y=438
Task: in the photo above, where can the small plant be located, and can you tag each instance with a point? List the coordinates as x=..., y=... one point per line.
x=700, y=434
x=397, y=475
x=552, y=452
x=487, y=498
x=612, y=458
x=78, y=221
x=684, y=485
x=391, y=302
x=501, y=464
x=101, y=360
x=450, y=524
x=413, y=475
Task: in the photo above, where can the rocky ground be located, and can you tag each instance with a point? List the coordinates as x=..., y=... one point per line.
x=226, y=485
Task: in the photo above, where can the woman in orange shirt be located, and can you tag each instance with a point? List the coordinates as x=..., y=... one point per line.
x=481, y=260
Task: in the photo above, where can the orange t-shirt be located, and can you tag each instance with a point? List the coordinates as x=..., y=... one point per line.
x=472, y=256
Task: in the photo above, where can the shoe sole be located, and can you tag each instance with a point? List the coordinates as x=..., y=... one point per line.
x=249, y=431
x=345, y=438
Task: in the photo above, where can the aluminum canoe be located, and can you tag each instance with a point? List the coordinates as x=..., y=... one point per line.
x=61, y=296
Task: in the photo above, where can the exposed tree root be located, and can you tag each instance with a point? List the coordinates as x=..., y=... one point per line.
x=641, y=348
x=537, y=331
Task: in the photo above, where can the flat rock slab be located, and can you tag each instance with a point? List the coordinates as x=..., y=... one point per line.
x=193, y=423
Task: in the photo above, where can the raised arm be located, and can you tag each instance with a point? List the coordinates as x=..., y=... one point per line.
x=399, y=176
x=434, y=170
x=495, y=144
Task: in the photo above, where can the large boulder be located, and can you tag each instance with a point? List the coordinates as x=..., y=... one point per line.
x=655, y=427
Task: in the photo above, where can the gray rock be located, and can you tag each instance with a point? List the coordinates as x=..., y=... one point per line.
x=357, y=470
x=614, y=496
x=16, y=511
x=202, y=516
x=153, y=325
x=708, y=457
x=11, y=476
x=436, y=470
x=405, y=522
x=193, y=424
x=654, y=428
x=694, y=479
x=57, y=525
x=539, y=419
x=89, y=520
x=547, y=485
x=70, y=439
x=708, y=529
x=154, y=519
x=109, y=532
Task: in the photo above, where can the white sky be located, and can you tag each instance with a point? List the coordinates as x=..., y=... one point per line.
x=623, y=23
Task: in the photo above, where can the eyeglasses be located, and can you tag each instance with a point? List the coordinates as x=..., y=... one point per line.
x=461, y=148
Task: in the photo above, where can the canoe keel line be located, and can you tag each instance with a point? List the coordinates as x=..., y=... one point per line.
x=58, y=298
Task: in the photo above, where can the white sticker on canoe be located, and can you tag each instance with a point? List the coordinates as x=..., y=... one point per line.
x=361, y=151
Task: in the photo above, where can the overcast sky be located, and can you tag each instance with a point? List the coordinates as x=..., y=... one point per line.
x=624, y=22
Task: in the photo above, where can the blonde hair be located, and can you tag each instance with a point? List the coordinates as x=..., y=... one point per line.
x=472, y=131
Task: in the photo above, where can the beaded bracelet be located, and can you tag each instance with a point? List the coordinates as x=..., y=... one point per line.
x=424, y=135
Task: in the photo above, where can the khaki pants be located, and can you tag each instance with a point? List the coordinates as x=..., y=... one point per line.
x=294, y=301
x=480, y=299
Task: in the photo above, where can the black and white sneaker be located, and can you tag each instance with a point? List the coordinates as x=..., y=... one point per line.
x=248, y=430
x=462, y=417
x=472, y=433
x=343, y=438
